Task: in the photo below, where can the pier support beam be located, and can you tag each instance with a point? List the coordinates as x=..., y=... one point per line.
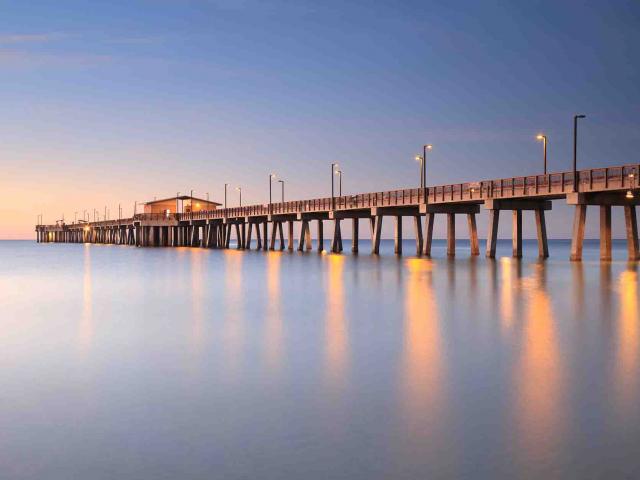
x=517, y=206
x=631, y=224
x=336, y=243
x=428, y=230
x=290, y=236
x=417, y=228
x=320, y=235
x=355, y=225
x=281, y=235
x=274, y=230
x=541, y=229
x=265, y=235
x=397, y=237
x=304, y=227
x=377, y=231
x=451, y=234
x=577, y=236
x=249, y=232
x=473, y=234
x=516, y=235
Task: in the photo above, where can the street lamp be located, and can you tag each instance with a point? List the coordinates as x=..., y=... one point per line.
x=544, y=143
x=271, y=177
x=333, y=200
x=75, y=217
x=420, y=158
x=339, y=173
x=239, y=189
x=281, y=182
x=225, y=195
x=575, y=151
x=424, y=163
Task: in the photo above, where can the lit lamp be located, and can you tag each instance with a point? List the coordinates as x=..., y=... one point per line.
x=629, y=194
x=419, y=158
x=271, y=177
x=544, y=142
x=424, y=163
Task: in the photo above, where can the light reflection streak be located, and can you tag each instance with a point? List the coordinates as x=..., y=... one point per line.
x=538, y=375
x=274, y=328
x=197, y=298
x=628, y=345
x=336, y=336
x=422, y=365
x=507, y=292
x=234, y=314
x=86, y=327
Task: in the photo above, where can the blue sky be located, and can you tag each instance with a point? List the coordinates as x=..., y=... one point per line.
x=112, y=102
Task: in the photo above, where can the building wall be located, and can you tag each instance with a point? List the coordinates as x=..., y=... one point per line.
x=170, y=205
x=161, y=207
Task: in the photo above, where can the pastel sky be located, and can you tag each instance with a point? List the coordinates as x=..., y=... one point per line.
x=114, y=102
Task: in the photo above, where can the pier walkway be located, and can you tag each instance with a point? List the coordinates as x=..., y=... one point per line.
x=605, y=188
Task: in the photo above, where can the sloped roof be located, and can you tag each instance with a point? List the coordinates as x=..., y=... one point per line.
x=183, y=197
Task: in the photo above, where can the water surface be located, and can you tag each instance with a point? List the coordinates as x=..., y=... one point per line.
x=122, y=362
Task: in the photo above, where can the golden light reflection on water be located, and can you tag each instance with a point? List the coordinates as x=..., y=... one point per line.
x=274, y=326
x=628, y=344
x=507, y=292
x=197, y=293
x=539, y=373
x=234, y=301
x=422, y=365
x=86, y=327
x=336, y=336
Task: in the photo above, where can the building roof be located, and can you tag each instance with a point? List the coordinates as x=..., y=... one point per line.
x=183, y=197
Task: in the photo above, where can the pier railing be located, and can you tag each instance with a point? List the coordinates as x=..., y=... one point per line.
x=552, y=185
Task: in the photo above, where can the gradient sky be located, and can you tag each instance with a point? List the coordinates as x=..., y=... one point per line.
x=112, y=102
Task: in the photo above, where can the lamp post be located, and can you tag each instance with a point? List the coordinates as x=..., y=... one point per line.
x=424, y=163
x=333, y=200
x=420, y=159
x=75, y=217
x=544, y=143
x=281, y=182
x=271, y=177
x=191, y=204
x=575, y=151
x=225, y=195
x=339, y=173
x=239, y=189
x=119, y=212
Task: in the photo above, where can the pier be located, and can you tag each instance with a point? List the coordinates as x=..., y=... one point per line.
x=214, y=227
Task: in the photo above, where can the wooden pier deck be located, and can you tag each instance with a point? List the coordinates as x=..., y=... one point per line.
x=602, y=187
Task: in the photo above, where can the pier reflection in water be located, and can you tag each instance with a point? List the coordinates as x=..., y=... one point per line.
x=198, y=363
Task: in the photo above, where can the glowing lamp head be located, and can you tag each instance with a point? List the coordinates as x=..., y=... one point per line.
x=429, y=147
x=86, y=229
x=629, y=194
x=540, y=137
x=418, y=158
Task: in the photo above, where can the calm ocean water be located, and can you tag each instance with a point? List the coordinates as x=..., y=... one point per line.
x=190, y=364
